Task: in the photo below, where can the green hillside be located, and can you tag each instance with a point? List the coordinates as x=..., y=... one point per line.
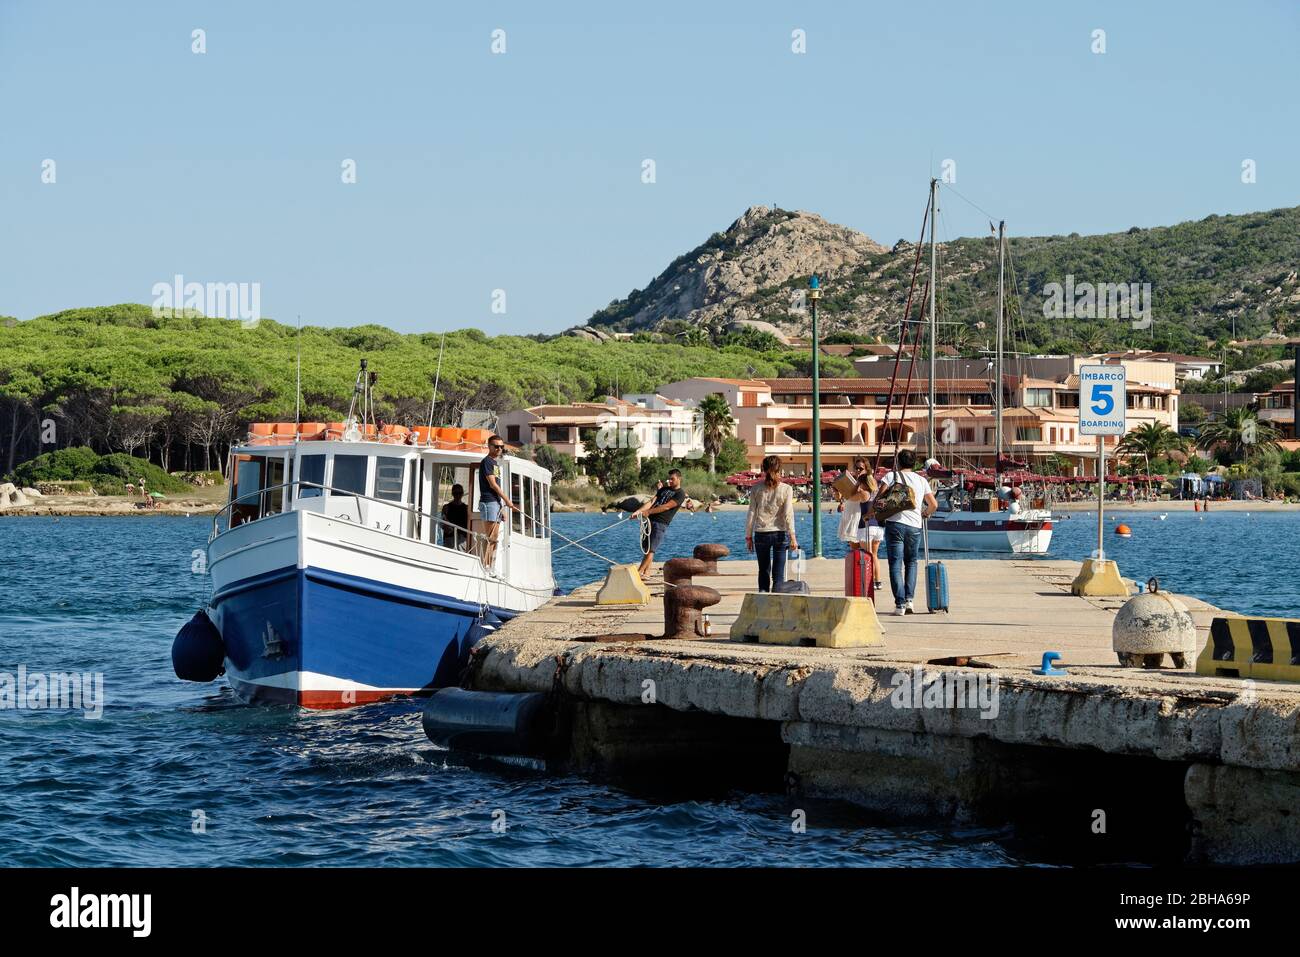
x=115, y=378
x=1219, y=278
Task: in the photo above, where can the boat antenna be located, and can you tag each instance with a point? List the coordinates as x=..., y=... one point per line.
x=934, y=213
x=437, y=377
x=997, y=375
x=297, y=394
x=358, y=389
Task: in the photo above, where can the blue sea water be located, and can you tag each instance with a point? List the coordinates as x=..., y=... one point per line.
x=182, y=774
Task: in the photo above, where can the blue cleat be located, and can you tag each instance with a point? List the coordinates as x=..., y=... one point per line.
x=1047, y=669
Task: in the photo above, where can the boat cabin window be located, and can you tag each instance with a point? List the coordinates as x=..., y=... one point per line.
x=243, y=490
x=390, y=473
x=311, y=475
x=257, y=487
x=517, y=496
x=541, y=516
x=532, y=497
x=349, y=474
x=530, y=517
x=273, y=497
x=452, y=526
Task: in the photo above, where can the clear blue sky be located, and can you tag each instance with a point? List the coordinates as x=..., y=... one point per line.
x=522, y=171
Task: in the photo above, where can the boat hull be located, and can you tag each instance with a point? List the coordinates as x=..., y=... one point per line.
x=322, y=613
x=989, y=532
x=321, y=639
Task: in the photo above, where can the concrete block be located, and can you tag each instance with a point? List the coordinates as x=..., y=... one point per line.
x=623, y=586
x=826, y=621
x=1100, y=579
x=1262, y=648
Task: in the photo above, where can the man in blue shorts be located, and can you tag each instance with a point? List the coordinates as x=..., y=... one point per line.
x=492, y=497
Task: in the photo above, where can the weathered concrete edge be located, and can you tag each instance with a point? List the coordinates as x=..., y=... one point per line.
x=1055, y=712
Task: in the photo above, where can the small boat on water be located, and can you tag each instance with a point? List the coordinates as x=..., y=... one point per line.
x=1025, y=532
x=336, y=580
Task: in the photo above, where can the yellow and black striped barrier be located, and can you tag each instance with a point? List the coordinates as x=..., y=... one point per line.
x=1266, y=648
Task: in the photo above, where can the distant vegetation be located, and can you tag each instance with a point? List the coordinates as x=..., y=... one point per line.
x=180, y=390
x=106, y=474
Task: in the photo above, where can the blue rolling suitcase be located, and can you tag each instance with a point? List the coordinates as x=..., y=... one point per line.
x=936, y=586
x=796, y=585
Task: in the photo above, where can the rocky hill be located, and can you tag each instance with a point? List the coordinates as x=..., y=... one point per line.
x=1219, y=278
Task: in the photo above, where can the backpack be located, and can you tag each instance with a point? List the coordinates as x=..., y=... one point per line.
x=897, y=498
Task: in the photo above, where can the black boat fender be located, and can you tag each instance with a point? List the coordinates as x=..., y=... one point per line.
x=489, y=722
x=198, y=653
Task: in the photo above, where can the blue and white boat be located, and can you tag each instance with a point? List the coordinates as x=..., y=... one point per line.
x=335, y=580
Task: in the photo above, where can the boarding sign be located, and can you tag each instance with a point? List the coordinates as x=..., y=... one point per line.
x=1101, y=400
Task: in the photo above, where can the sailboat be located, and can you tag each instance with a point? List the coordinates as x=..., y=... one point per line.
x=964, y=523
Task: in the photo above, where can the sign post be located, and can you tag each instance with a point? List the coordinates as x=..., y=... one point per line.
x=1102, y=404
x=815, y=294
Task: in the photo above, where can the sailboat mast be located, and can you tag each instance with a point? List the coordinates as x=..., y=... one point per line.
x=997, y=361
x=934, y=201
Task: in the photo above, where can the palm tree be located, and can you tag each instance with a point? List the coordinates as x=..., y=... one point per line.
x=1241, y=431
x=1150, y=440
x=713, y=419
x=694, y=336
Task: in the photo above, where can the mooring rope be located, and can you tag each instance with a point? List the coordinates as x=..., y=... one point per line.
x=577, y=543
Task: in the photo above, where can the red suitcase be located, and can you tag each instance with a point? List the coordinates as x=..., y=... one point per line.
x=859, y=575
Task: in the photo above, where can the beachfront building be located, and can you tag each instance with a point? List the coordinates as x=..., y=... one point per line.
x=1040, y=414
x=655, y=425
x=1184, y=366
x=1277, y=408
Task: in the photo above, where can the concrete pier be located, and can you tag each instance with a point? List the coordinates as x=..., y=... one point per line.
x=946, y=721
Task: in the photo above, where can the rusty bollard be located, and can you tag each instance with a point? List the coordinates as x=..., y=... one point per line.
x=710, y=553
x=678, y=571
x=683, y=601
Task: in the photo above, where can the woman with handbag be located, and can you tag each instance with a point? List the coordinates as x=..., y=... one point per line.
x=903, y=504
x=769, y=526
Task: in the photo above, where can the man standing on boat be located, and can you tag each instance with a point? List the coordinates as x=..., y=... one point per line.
x=492, y=497
x=903, y=527
x=660, y=510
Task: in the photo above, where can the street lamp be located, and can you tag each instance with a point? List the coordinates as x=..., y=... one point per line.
x=815, y=293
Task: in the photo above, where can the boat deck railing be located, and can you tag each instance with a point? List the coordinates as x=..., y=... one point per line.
x=478, y=540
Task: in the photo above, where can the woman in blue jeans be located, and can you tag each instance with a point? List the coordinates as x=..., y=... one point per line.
x=770, y=525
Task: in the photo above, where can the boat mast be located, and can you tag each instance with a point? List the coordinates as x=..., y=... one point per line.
x=997, y=362
x=934, y=200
